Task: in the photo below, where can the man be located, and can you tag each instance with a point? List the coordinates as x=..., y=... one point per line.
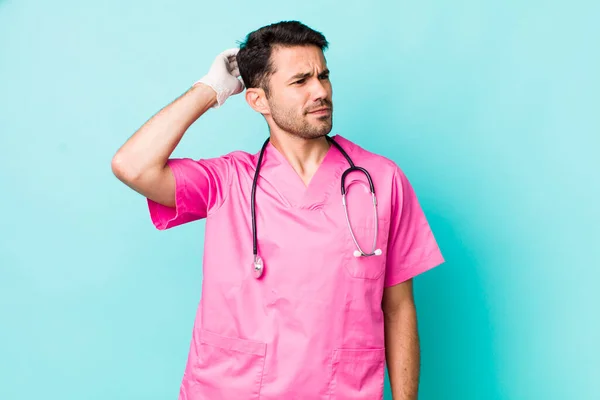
x=304, y=295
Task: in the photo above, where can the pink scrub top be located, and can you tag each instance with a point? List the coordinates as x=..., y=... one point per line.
x=312, y=327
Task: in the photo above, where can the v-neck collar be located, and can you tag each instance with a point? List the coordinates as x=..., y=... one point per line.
x=277, y=169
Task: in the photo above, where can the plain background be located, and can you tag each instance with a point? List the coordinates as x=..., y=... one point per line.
x=490, y=108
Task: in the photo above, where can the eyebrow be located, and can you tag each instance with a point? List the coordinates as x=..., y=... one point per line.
x=304, y=75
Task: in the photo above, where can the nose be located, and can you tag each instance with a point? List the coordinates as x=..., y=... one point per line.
x=320, y=89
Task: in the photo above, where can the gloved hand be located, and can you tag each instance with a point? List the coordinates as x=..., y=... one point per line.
x=223, y=76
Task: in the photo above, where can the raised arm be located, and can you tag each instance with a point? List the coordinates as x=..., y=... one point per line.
x=141, y=162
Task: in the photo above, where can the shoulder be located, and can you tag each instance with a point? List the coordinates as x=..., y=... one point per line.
x=387, y=175
x=233, y=159
x=219, y=168
x=363, y=157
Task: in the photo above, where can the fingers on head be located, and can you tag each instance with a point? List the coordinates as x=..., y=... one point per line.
x=230, y=53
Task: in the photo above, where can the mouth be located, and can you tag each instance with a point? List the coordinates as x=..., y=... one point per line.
x=321, y=111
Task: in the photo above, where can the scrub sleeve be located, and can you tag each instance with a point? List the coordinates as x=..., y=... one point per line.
x=200, y=188
x=412, y=248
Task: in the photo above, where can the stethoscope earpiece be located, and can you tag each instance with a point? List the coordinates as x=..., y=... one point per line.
x=357, y=253
x=258, y=267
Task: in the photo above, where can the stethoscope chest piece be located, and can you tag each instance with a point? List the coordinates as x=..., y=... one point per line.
x=258, y=267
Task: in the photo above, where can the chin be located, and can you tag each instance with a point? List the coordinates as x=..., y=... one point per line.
x=316, y=135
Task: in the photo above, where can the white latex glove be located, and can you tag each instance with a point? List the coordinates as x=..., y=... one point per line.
x=223, y=76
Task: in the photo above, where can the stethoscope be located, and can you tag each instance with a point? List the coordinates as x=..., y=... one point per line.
x=258, y=265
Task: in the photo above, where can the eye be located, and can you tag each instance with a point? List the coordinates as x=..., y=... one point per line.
x=300, y=82
x=325, y=76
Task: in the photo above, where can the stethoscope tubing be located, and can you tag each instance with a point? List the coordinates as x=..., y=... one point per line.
x=258, y=263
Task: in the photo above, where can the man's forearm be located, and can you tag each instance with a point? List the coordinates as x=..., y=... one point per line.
x=402, y=352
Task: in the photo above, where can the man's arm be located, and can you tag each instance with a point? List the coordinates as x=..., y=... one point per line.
x=401, y=340
x=141, y=163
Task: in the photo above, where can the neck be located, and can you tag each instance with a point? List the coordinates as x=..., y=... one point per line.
x=304, y=155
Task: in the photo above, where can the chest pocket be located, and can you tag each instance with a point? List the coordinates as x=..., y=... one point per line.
x=361, y=216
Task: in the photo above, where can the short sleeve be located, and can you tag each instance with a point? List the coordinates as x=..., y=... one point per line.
x=412, y=248
x=201, y=186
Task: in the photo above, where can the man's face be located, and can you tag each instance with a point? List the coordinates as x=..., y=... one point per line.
x=300, y=92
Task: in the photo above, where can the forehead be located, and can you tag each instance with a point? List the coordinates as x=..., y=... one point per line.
x=288, y=61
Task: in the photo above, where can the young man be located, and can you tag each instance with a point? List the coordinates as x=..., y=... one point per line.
x=306, y=292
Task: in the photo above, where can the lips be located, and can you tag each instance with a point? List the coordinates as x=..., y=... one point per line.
x=320, y=110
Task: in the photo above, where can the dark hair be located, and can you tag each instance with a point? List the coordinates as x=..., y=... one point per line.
x=254, y=56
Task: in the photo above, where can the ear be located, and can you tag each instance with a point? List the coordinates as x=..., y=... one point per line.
x=257, y=99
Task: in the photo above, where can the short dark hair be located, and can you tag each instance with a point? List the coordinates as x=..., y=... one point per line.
x=254, y=56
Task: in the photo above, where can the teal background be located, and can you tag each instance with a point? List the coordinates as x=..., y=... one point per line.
x=491, y=109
